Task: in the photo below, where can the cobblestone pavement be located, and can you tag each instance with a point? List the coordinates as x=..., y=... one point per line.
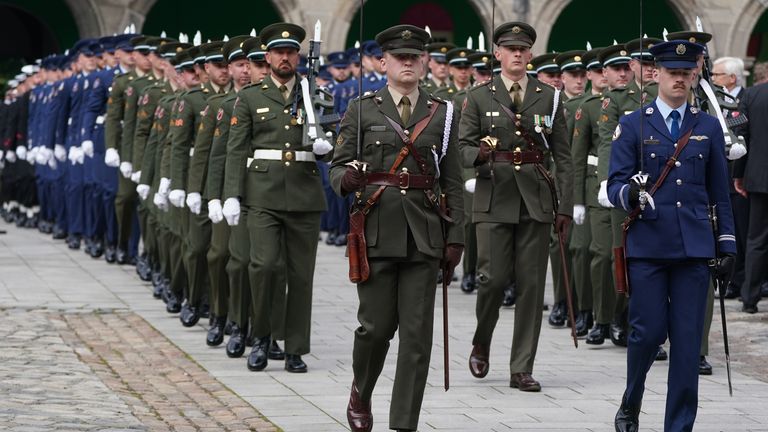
x=581, y=387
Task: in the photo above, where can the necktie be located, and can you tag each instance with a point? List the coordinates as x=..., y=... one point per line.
x=284, y=91
x=516, y=95
x=674, y=130
x=405, y=114
x=443, y=84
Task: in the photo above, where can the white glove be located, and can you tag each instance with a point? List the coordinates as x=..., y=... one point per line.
x=214, y=211
x=645, y=197
x=136, y=177
x=194, y=202
x=60, y=153
x=176, y=197
x=160, y=201
x=10, y=156
x=165, y=186
x=87, y=147
x=52, y=163
x=321, y=146
x=79, y=156
x=43, y=154
x=143, y=191
x=126, y=168
x=602, y=196
x=469, y=185
x=579, y=213
x=71, y=155
x=112, y=158
x=21, y=152
x=736, y=151
x=32, y=155
x=231, y=211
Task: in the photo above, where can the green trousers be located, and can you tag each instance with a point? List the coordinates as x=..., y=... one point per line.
x=504, y=250
x=198, y=241
x=601, y=265
x=470, y=238
x=125, y=208
x=398, y=296
x=293, y=235
x=581, y=236
x=217, y=258
x=176, y=226
x=558, y=283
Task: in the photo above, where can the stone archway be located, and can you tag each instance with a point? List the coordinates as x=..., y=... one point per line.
x=737, y=39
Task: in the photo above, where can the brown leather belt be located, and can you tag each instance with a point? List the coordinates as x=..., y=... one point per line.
x=519, y=157
x=403, y=180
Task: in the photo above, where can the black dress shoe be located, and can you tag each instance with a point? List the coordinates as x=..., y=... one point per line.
x=189, y=315
x=173, y=305
x=661, y=355
x=294, y=363
x=205, y=309
x=32, y=222
x=157, y=290
x=97, y=250
x=764, y=289
x=704, y=367
x=509, y=296
x=618, y=335
x=558, y=314
x=88, y=245
x=58, y=233
x=215, y=334
x=359, y=412
x=750, y=309
x=275, y=352
x=598, y=334
x=236, y=343
x=73, y=242
x=257, y=359
x=122, y=256
x=583, y=323
x=627, y=418
x=145, y=272
x=468, y=283
x=228, y=327
x=330, y=239
x=340, y=240
x=479, y=361
x=110, y=254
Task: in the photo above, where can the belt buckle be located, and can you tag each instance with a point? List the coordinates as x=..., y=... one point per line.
x=404, y=180
x=517, y=156
x=288, y=155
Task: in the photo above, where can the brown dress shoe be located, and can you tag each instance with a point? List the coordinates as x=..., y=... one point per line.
x=478, y=361
x=525, y=382
x=358, y=412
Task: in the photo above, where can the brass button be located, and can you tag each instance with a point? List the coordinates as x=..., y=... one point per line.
x=287, y=163
x=679, y=182
x=678, y=163
x=517, y=167
x=517, y=133
x=285, y=111
x=289, y=155
x=287, y=127
x=293, y=122
x=378, y=142
x=256, y=166
x=679, y=204
x=287, y=145
x=403, y=191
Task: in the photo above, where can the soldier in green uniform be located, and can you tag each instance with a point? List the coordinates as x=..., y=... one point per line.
x=460, y=70
x=596, y=218
x=272, y=172
x=406, y=237
x=515, y=201
x=617, y=102
x=546, y=70
x=196, y=227
x=574, y=76
x=438, y=66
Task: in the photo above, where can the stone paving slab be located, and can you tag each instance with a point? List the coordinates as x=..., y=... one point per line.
x=581, y=387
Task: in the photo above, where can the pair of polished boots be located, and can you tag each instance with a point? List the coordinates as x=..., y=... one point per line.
x=600, y=332
x=190, y=315
x=263, y=350
x=479, y=365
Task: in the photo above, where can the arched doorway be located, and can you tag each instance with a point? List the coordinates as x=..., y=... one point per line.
x=449, y=21
x=188, y=16
x=600, y=22
x=32, y=29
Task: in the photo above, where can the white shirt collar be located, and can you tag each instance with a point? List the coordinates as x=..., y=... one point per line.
x=735, y=91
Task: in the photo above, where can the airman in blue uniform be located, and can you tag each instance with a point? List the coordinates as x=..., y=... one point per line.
x=669, y=244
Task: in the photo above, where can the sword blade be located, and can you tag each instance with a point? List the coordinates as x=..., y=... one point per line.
x=568, y=294
x=721, y=294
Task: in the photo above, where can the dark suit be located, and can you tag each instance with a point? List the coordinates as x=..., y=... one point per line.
x=753, y=168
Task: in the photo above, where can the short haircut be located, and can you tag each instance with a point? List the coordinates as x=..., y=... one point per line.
x=732, y=66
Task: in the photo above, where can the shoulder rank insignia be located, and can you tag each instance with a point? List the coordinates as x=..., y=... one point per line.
x=694, y=110
x=649, y=111
x=617, y=132
x=339, y=141
x=631, y=92
x=538, y=90
x=606, y=102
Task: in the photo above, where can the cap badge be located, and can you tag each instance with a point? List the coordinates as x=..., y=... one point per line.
x=485, y=59
x=692, y=39
x=577, y=58
x=444, y=49
x=529, y=66
x=263, y=46
x=179, y=49
x=462, y=54
x=406, y=34
x=285, y=34
x=516, y=29
x=680, y=50
x=622, y=52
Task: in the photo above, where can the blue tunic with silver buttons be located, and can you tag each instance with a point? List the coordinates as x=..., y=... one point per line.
x=680, y=221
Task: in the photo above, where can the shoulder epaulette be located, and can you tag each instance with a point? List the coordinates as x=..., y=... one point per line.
x=368, y=95
x=250, y=85
x=481, y=85
x=437, y=99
